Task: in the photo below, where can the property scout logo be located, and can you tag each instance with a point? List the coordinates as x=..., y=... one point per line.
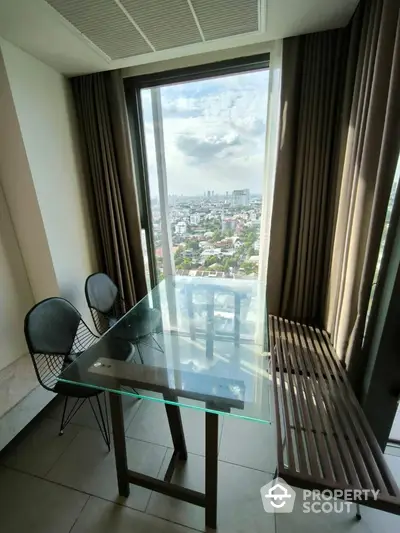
x=279, y=497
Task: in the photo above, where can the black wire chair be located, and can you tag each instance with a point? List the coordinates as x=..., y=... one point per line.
x=56, y=336
x=104, y=300
x=107, y=306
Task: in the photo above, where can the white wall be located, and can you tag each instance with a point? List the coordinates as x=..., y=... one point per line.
x=16, y=293
x=198, y=59
x=46, y=119
x=19, y=190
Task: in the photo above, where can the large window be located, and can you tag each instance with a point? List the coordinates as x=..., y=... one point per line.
x=204, y=150
x=384, y=235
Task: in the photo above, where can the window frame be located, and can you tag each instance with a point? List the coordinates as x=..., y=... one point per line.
x=132, y=87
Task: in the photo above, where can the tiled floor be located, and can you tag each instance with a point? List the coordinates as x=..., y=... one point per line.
x=68, y=484
x=395, y=431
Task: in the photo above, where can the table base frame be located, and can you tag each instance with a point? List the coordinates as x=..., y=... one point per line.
x=125, y=476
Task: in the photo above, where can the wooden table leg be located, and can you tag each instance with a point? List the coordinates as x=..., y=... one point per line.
x=121, y=461
x=176, y=427
x=211, y=469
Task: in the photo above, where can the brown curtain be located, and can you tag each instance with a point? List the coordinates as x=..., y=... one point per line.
x=316, y=83
x=103, y=123
x=372, y=150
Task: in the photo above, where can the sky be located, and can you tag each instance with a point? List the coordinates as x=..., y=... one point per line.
x=214, y=134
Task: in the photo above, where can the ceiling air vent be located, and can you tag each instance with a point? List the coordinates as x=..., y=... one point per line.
x=125, y=28
x=166, y=23
x=103, y=23
x=224, y=18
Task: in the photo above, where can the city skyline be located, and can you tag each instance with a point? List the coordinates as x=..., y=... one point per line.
x=210, y=234
x=205, y=195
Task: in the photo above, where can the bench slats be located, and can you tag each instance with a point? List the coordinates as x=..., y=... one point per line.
x=369, y=445
x=348, y=444
x=316, y=441
x=323, y=437
x=286, y=418
x=323, y=410
x=353, y=430
x=306, y=413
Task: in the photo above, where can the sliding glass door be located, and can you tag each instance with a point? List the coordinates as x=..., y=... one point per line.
x=203, y=151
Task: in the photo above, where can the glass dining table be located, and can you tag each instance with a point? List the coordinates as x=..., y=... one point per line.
x=200, y=343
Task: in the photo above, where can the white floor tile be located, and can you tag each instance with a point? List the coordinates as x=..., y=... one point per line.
x=151, y=425
x=333, y=522
x=100, y=516
x=41, y=448
x=89, y=467
x=393, y=462
x=249, y=444
x=239, y=501
x=30, y=504
x=392, y=450
x=381, y=522
x=395, y=431
x=79, y=460
x=189, y=475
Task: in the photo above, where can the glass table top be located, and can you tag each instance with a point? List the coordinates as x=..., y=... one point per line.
x=194, y=342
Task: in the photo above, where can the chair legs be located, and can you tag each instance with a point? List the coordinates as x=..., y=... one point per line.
x=101, y=418
x=358, y=511
x=154, y=344
x=140, y=353
x=66, y=418
x=103, y=422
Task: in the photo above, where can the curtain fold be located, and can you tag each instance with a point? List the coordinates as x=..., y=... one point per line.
x=313, y=90
x=102, y=120
x=372, y=149
x=340, y=140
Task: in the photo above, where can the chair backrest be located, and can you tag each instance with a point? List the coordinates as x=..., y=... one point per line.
x=51, y=332
x=104, y=301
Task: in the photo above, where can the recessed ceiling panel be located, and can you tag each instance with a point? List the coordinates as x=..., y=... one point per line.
x=166, y=23
x=105, y=24
x=224, y=18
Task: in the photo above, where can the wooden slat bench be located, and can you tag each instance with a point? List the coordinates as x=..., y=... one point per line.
x=323, y=438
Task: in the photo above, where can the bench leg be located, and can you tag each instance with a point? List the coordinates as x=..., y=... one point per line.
x=358, y=511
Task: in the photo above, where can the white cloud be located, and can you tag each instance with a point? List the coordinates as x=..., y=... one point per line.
x=214, y=134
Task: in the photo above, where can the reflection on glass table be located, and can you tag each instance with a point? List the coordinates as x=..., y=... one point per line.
x=196, y=339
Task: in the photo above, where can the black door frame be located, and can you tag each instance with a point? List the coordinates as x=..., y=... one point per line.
x=382, y=381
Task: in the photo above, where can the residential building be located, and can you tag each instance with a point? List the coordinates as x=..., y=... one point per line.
x=228, y=224
x=195, y=219
x=241, y=197
x=210, y=252
x=181, y=228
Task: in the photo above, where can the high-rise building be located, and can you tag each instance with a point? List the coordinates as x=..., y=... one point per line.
x=180, y=228
x=195, y=219
x=241, y=197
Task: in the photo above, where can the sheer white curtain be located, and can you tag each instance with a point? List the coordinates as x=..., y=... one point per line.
x=271, y=152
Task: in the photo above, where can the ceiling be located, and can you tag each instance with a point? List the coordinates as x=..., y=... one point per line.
x=82, y=36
